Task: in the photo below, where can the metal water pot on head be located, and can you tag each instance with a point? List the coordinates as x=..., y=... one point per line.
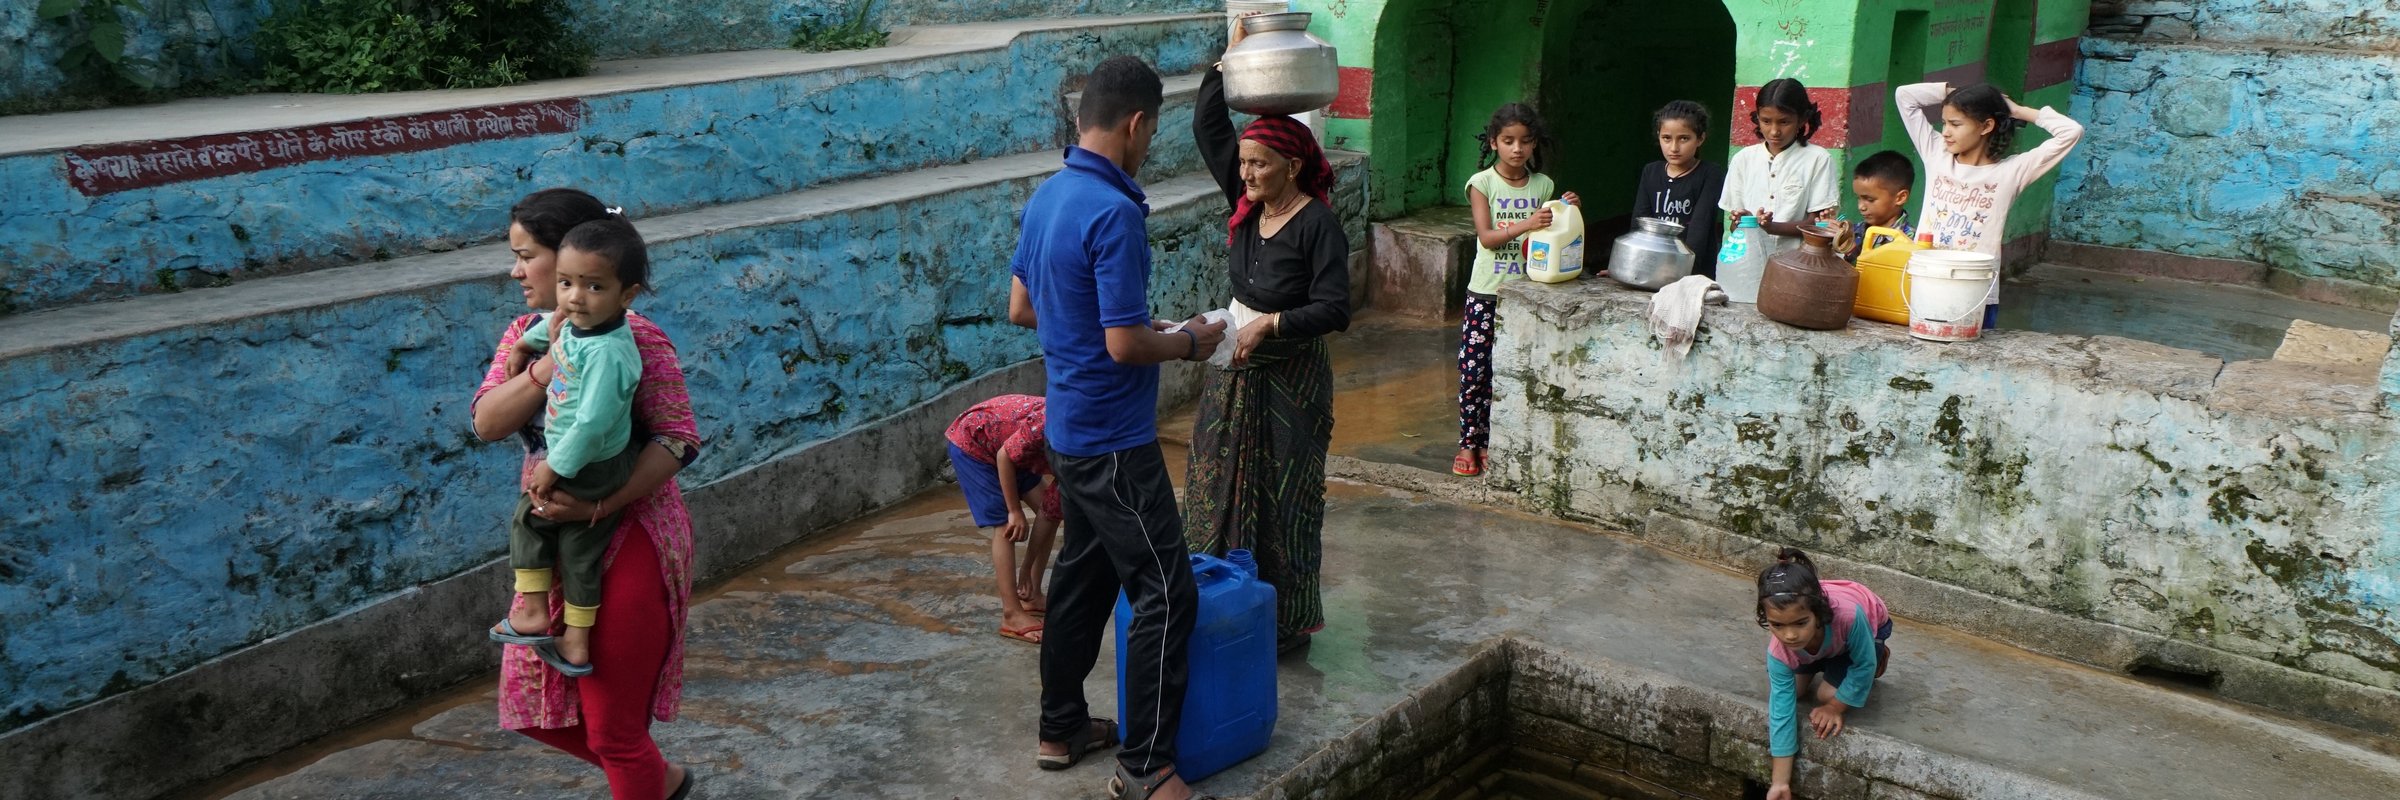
x=1278, y=68
x=1652, y=256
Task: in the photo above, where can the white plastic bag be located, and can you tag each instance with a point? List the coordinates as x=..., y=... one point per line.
x=1224, y=355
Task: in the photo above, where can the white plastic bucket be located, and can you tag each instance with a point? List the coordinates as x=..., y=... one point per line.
x=1945, y=291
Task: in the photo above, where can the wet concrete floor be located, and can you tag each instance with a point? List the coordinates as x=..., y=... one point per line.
x=2234, y=323
x=862, y=663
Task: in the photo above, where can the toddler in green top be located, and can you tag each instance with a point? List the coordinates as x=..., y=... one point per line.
x=588, y=431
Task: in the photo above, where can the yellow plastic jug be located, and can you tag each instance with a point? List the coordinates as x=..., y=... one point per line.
x=1555, y=254
x=1882, y=272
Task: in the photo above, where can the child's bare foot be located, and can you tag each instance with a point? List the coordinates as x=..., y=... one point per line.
x=1037, y=604
x=531, y=616
x=576, y=646
x=1021, y=626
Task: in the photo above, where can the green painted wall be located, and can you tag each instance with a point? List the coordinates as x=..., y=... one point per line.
x=1598, y=68
x=1601, y=119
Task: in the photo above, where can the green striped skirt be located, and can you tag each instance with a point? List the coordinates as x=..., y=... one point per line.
x=1257, y=474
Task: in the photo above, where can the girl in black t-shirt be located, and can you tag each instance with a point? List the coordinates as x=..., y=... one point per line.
x=1682, y=187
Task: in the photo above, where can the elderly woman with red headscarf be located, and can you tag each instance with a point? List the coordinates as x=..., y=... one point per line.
x=1257, y=475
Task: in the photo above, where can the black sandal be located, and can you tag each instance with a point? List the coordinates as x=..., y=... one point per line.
x=684, y=790
x=1079, y=744
x=1127, y=787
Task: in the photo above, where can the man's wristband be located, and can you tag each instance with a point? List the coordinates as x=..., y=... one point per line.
x=1194, y=349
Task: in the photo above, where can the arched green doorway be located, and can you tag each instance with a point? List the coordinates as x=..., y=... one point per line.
x=1606, y=67
x=1597, y=70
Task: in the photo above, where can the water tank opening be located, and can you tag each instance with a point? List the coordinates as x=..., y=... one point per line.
x=2151, y=670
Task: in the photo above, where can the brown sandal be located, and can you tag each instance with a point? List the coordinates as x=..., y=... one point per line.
x=1080, y=744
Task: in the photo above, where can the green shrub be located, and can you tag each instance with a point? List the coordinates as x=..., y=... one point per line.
x=855, y=33
x=351, y=46
x=94, y=34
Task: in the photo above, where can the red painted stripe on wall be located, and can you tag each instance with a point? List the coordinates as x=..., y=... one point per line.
x=103, y=169
x=1867, y=105
x=2052, y=63
x=1962, y=75
x=1357, y=94
x=1832, y=104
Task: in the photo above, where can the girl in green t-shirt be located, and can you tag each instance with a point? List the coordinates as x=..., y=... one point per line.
x=1506, y=198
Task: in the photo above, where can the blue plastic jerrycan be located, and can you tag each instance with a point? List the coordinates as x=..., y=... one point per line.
x=1229, y=701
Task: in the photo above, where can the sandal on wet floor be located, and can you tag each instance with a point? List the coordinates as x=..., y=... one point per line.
x=1097, y=734
x=1023, y=634
x=507, y=633
x=548, y=650
x=1466, y=465
x=1127, y=787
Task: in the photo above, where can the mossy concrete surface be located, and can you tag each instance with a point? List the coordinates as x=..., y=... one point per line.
x=2238, y=517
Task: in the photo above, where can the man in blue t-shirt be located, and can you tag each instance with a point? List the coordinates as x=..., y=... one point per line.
x=1082, y=272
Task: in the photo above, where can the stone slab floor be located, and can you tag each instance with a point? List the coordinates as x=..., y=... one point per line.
x=862, y=663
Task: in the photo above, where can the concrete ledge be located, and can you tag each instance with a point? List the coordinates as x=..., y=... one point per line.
x=1572, y=726
x=2157, y=264
x=2110, y=647
x=23, y=335
x=2100, y=479
x=261, y=112
x=122, y=202
x=2099, y=644
x=1422, y=262
x=2129, y=261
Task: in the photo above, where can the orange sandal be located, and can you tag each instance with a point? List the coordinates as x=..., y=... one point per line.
x=1466, y=465
x=1023, y=634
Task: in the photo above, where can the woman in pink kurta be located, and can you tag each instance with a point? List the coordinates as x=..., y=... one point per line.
x=637, y=649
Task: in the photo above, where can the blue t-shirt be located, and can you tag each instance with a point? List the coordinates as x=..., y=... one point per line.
x=1084, y=255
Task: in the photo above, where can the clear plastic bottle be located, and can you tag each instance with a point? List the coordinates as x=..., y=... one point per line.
x=1742, y=262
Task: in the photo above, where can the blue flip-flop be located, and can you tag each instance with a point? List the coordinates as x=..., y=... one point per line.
x=507, y=634
x=548, y=650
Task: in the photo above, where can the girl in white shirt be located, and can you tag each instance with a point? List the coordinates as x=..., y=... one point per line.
x=1783, y=180
x=1970, y=179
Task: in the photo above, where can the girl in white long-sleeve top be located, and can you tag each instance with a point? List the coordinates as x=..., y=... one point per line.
x=1970, y=179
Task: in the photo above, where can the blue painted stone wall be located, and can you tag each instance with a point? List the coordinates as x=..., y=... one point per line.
x=654, y=152
x=185, y=494
x=188, y=41
x=2209, y=138
x=197, y=41
x=643, y=28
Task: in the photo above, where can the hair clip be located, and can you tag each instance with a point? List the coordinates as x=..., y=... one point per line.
x=616, y=210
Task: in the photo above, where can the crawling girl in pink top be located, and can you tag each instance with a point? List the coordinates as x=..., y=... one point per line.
x=1833, y=629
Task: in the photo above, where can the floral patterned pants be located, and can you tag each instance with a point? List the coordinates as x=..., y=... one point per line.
x=1475, y=372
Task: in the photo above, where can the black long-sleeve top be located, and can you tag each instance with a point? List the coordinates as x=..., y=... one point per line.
x=1304, y=270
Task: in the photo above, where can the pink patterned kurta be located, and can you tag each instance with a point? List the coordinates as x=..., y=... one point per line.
x=532, y=695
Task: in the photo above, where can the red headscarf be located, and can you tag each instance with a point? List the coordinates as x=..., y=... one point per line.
x=1286, y=136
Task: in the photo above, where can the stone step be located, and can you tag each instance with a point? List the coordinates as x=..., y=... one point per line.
x=303, y=440
x=1422, y=262
x=125, y=201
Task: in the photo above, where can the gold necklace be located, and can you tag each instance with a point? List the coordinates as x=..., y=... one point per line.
x=1294, y=206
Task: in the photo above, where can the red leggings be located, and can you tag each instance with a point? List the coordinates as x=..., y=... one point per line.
x=629, y=648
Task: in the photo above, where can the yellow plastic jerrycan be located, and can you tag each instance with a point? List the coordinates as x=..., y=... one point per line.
x=1882, y=272
x=1555, y=254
